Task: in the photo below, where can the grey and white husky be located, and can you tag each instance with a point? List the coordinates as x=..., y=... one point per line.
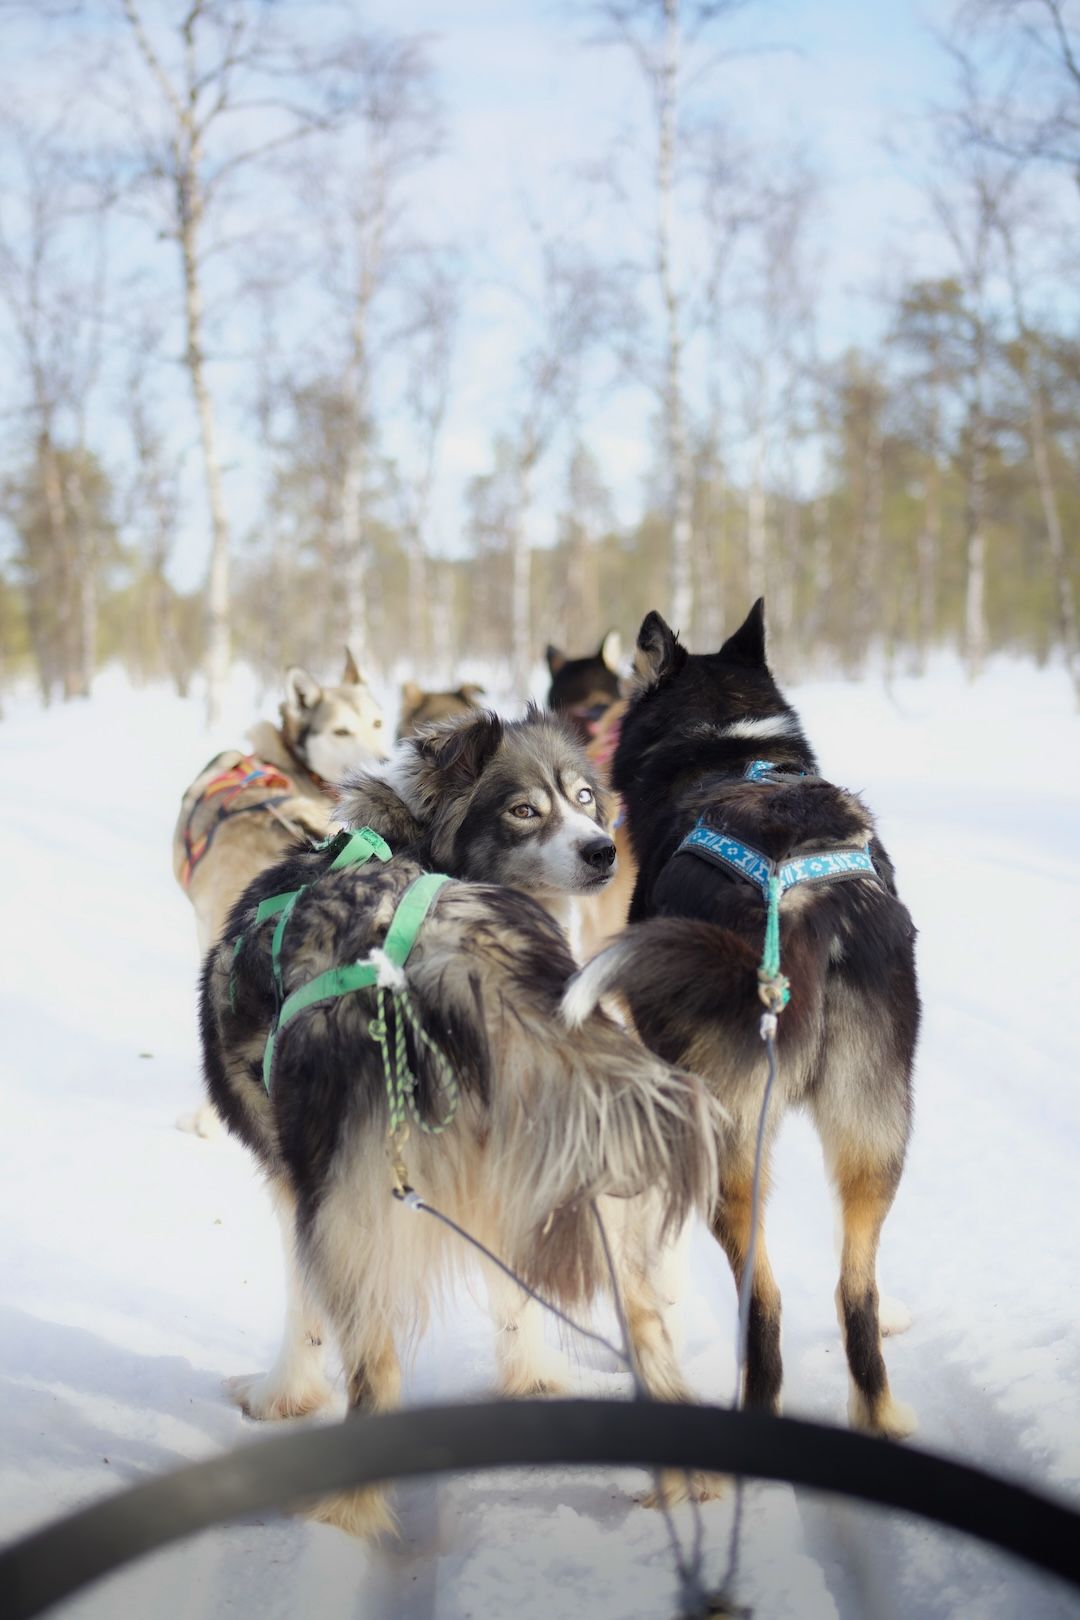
x=515, y=802
x=547, y=1119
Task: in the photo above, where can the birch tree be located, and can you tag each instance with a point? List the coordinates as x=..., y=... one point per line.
x=413, y=472
x=53, y=266
x=579, y=304
x=375, y=272
x=214, y=95
x=661, y=37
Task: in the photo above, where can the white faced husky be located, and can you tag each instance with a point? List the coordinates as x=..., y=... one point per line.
x=245, y=810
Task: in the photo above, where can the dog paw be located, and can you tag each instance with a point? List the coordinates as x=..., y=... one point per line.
x=676, y=1485
x=205, y=1121
x=365, y=1514
x=259, y=1397
x=547, y=1374
x=527, y=1383
x=891, y=1419
x=893, y=1316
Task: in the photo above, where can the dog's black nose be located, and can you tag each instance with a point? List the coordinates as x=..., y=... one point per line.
x=599, y=852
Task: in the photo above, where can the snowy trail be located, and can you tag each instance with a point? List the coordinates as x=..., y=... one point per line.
x=139, y=1266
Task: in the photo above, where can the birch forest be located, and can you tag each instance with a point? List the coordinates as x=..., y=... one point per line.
x=238, y=337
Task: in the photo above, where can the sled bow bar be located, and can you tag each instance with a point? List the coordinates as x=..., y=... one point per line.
x=292, y=1468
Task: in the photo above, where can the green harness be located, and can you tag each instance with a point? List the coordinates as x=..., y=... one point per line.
x=355, y=849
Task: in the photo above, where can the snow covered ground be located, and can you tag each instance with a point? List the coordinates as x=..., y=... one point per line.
x=138, y=1266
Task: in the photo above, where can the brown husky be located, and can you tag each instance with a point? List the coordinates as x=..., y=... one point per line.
x=420, y=708
x=244, y=810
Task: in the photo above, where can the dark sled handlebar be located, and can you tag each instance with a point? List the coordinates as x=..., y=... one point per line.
x=54, y=1562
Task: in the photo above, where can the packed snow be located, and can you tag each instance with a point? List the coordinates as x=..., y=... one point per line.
x=139, y=1266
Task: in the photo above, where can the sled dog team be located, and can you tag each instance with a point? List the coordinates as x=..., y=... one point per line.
x=388, y=1000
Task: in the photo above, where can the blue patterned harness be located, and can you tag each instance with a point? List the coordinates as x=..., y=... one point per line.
x=823, y=866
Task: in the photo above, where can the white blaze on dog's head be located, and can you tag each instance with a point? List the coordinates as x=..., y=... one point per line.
x=761, y=728
x=332, y=729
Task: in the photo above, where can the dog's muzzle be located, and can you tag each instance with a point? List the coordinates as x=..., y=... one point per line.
x=599, y=853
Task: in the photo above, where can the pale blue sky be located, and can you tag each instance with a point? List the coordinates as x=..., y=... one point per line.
x=527, y=103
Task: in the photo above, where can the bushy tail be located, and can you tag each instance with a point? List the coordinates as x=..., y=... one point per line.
x=672, y=972
x=601, y=977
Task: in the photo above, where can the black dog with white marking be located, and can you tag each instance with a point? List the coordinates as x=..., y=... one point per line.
x=709, y=743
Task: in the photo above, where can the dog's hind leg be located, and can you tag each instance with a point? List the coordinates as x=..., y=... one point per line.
x=894, y=1317
x=866, y=1189
x=764, y=1371
x=373, y=1380
x=659, y=1371
x=526, y=1364
x=296, y=1384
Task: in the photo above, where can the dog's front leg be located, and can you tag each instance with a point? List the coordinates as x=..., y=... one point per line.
x=296, y=1384
x=526, y=1364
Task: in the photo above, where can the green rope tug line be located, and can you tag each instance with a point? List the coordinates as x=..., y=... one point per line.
x=773, y=988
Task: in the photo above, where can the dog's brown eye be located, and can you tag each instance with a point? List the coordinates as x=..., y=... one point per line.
x=523, y=812
x=342, y=731
x=585, y=796
x=377, y=724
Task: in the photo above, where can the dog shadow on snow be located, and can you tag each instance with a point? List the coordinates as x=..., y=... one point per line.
x=892, y=1564
x=54, y=1377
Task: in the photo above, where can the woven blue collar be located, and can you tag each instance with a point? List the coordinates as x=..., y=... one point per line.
x=823, y=866
x=766, y=770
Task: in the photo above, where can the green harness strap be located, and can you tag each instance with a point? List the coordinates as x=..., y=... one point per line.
x=355, y=848
x=405, y=925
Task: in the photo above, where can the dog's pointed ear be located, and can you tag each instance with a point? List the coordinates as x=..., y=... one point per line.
x=302, y=691
x=457, y=752
x=611, y=651
x=352, y=675
x=747, y=645
x=555, y=659
x=411, y=694
x=658, y=653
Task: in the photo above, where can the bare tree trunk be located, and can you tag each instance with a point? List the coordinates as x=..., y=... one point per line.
x=1044, y=476
x=348, y=584
x=65, y=652
x=417, y=618
x=710, y=533
x=817, y=625
x=354, y=561
x=521, y=586
x=928, y=546
x=444, y=653
x=868, y=563
x=681, y=469
x=1066, y=600
x=217, y=589
x=756, y=514
x=975, y=551
x=786, y=572
x=84, y=587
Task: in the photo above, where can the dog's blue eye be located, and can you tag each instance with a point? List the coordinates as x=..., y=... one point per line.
x=585, y=796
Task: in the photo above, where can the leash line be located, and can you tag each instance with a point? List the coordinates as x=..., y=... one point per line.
x=697, y=1602
x=412, y=1200
x=689, y=1570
